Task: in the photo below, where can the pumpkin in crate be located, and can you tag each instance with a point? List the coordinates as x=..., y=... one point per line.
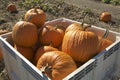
x=41, y=51
x=37, y=16
x=104, y=43
x=62, y=24
x=25, y=34
x=51, y=34
x=100, y=33
x=56, y=64
x=27, y=52
x=74, y=26
x=80, y=45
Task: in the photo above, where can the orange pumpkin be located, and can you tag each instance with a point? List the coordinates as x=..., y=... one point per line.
x=37, y=16
x=42, y=50
x=50, y=34
x=62, y=24
x=104, y=43
x=27, y=52
x=111, y=36
x=24, y=34
x=56, y=64
x=80, y=45
x=74, y=26
x=105, y=17
x=11, y=8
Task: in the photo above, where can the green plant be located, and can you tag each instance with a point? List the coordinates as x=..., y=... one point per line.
x=106, y=1
x=115, y=2
x=43, y=4
x=28, y=4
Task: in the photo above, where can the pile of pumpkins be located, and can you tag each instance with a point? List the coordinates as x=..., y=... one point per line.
x=57, y=48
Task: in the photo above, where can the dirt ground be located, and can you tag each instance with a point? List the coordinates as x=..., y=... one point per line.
x=7, y=19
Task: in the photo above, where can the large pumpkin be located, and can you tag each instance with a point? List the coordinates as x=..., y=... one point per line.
x=51, y=35
x=24, y=34
x=74, y=26
x=27, y=52
x=56, y=64
x=81, y=45
x=42, y=50
x=38, y=17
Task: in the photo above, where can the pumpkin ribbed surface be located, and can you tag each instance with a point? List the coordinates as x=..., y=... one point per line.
x=24, y=34
x=51, y=35
x=56, y=64
x=111, y=36
x=27, y=52
x=80, y=45
x=104, y=43
x=73, y=26
x=38, y=17
x=42, y=50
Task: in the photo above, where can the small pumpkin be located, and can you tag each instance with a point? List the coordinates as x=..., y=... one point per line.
x=27, y=52
x=100, y=33
x=104, y=43
x=42, y=50
x=11, y=8
x=51, y=34
x=105, y=17
x=25, y=34
x=38, y=16
x=62, y=24
x=56, y=64
x=80, y=45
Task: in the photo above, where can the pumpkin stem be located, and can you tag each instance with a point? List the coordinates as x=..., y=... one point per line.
x=106, y=33
x=46, y=69
x=86, y=26
x=56, y=26
x=83, y=20
x=51, y=43
x=35, y=9
x=29, y=18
